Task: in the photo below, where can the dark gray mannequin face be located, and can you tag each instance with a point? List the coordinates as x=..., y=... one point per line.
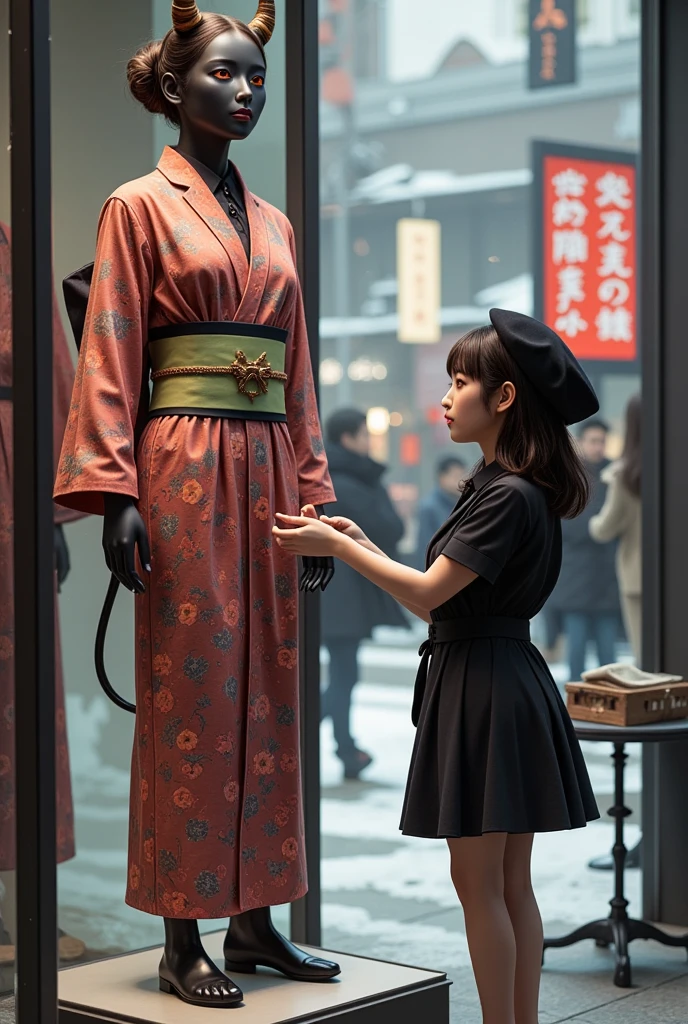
x=224, y=95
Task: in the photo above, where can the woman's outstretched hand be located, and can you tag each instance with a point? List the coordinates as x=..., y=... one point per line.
x=304, y=535
x=339, y=523
x=345, y=526
x=317, y=572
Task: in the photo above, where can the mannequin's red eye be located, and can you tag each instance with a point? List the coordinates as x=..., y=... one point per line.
x=222, y=74
x=259, y=81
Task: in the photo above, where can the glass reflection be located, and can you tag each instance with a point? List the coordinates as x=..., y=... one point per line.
x=63, y=374
x=436, y=127
x=71, y=948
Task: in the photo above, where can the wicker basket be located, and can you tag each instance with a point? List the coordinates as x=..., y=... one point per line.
x=619, y=705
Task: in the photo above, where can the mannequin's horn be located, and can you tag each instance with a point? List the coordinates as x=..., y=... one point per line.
x=185, y=15
x=264, y=22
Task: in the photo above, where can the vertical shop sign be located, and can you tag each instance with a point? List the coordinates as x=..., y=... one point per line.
x=336, y=79
x=552, y=26
x=419, y=280
x=585, y=260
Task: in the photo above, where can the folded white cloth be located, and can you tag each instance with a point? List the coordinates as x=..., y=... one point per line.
x=622, y=674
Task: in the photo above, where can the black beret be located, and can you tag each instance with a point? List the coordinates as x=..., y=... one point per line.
x=549, y=364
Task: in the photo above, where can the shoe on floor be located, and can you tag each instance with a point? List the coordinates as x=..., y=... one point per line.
x=606, y=862
x=355, y=763
x=69, y=950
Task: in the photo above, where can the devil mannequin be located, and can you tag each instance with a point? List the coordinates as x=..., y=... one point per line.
x=194, y=283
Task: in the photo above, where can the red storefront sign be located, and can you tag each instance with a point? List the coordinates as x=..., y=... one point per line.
x=588, y=279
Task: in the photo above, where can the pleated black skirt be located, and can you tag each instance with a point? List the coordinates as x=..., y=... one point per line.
x=495, y=748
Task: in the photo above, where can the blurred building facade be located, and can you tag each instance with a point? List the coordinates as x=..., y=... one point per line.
x=437, y=123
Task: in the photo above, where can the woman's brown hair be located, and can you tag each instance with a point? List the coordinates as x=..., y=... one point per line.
x=534, y=441
x=631, y=458
x=177, y=53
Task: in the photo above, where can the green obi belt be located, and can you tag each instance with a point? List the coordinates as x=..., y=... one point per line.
x=231, y=370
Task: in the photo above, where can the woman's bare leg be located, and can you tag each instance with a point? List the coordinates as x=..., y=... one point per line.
x=527, y=925
x=477, y=871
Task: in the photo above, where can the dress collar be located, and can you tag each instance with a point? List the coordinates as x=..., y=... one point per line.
x=178, y=171
x=212, y=180
x=485, y=475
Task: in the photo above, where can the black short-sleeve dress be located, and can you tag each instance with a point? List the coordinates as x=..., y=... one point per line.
x=495, y=749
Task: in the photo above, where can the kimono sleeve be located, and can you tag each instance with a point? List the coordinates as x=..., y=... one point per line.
x=98, y=451
x=491, y=533
x=63, y=381
x=315, y=485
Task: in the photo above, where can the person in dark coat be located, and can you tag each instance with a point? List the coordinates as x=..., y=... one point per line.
x=587, y=594
x=435, y=508
x=351, y=605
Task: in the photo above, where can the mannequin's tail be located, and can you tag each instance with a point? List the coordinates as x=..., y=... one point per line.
x=100, y=649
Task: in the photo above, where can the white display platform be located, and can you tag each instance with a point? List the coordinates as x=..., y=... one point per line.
x=125, y=988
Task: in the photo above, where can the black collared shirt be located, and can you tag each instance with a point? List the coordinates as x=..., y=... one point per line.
x=228, y=193
x=503, y=530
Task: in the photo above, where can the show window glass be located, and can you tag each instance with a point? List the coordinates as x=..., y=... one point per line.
x=430, y=216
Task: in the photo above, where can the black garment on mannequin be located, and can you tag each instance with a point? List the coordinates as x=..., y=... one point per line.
x=228, y=194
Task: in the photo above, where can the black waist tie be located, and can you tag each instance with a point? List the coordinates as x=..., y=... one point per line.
x=468, y=628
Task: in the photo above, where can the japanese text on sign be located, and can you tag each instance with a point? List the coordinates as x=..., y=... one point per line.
x=419, y=280
x=552, y=43
x=589, y=255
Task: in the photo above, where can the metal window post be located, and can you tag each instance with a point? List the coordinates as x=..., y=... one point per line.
x=665, y=482
x=303, y=208
x=33, y=512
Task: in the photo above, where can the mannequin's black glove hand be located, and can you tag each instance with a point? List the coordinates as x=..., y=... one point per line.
x=124, y=531
x=317, y=572
x=62, y=563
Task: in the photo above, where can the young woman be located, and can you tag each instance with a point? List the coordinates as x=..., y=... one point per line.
x=495, y=758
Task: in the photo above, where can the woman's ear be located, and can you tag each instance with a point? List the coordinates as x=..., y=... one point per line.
x=507, y=396
x=170, y=88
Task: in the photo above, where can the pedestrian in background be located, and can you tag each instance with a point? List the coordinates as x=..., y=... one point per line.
x=619, y=519
x=587, y=594
x=436, y=507
x=351, y=605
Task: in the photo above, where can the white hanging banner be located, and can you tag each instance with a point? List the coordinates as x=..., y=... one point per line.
x=419, y=277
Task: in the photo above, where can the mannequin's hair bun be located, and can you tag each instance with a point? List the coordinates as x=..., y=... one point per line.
x=144, y=78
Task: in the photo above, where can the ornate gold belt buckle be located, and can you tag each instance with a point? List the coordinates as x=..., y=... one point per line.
x=252, y=377
x=257, y=373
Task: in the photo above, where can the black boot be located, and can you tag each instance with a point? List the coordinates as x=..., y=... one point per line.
x=355, y=761
x=606, y=861
x=187, y=971
x=253, y=941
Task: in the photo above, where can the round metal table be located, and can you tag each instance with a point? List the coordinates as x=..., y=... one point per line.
x=618, y=929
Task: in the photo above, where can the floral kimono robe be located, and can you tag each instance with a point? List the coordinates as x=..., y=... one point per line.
x=216, y=824
x=63, y=376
